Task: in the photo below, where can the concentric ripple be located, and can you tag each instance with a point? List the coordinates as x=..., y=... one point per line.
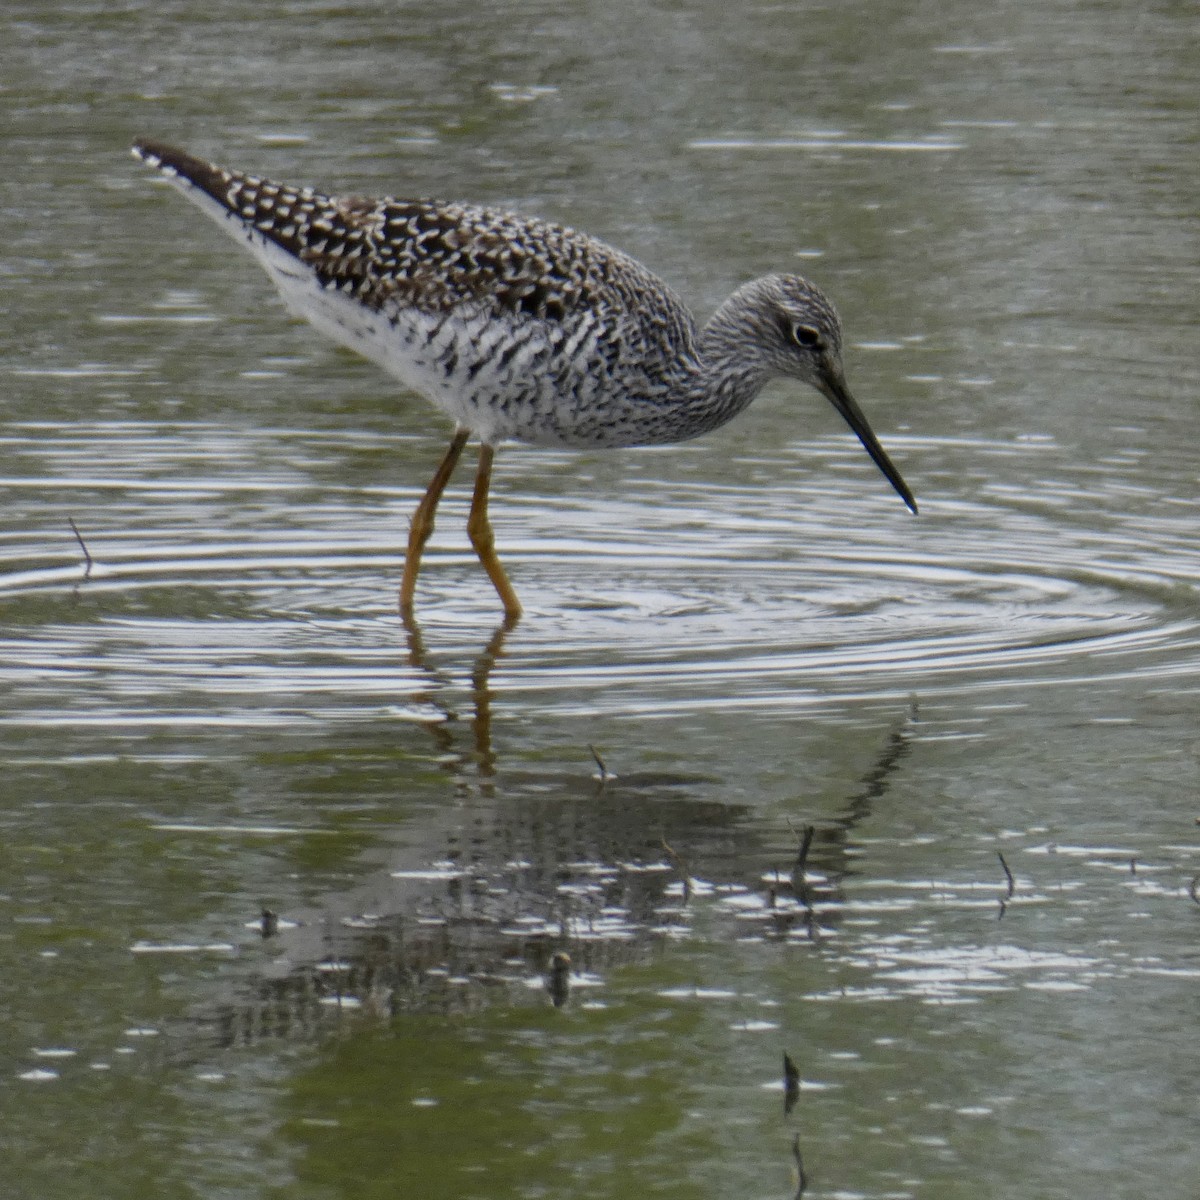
x=228, y=581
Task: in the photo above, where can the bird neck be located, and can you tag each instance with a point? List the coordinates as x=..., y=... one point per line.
x=726, y=372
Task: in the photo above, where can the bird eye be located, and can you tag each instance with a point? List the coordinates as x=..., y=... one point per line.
x=807, y=336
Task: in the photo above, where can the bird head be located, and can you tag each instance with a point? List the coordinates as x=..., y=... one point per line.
x=804, y=342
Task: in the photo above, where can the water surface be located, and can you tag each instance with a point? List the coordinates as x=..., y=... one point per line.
x=983, y=966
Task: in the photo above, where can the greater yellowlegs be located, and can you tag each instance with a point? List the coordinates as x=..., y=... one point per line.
x=519, y=328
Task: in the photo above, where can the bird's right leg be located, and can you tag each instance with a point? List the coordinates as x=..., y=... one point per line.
x=422, y=521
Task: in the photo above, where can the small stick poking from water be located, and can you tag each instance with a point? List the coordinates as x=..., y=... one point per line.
x=1012, y=883
x=558, y=980
x=791, y=1084
x=87, y=557
x=806, y=840
x=1012, y=887
x=605, y=774
x=801, y=1178
x=799, y=867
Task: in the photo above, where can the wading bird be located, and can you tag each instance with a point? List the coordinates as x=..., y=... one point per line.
x=519, y=328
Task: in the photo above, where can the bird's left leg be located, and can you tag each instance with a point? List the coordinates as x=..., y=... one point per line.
x=480, y=531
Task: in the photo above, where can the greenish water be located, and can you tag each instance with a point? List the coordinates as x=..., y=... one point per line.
x=225, y=714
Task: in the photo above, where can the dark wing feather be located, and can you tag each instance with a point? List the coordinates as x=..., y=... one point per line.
x=426, y=254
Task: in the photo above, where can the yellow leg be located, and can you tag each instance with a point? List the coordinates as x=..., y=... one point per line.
x=480, y=531
x=422, y=521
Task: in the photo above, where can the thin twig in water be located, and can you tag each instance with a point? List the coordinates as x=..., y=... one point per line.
x=558, y=982
x=791, y=1084
x=87, y=558
x=1012, y=883
x=799, y=867
x=604, y=776
x=801, y=1178
x=806, y=840
x=1192, y=888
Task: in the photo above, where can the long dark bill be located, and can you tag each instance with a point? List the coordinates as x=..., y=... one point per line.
x=839, y=396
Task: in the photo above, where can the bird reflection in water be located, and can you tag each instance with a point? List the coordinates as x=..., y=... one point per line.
x=483, y=756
